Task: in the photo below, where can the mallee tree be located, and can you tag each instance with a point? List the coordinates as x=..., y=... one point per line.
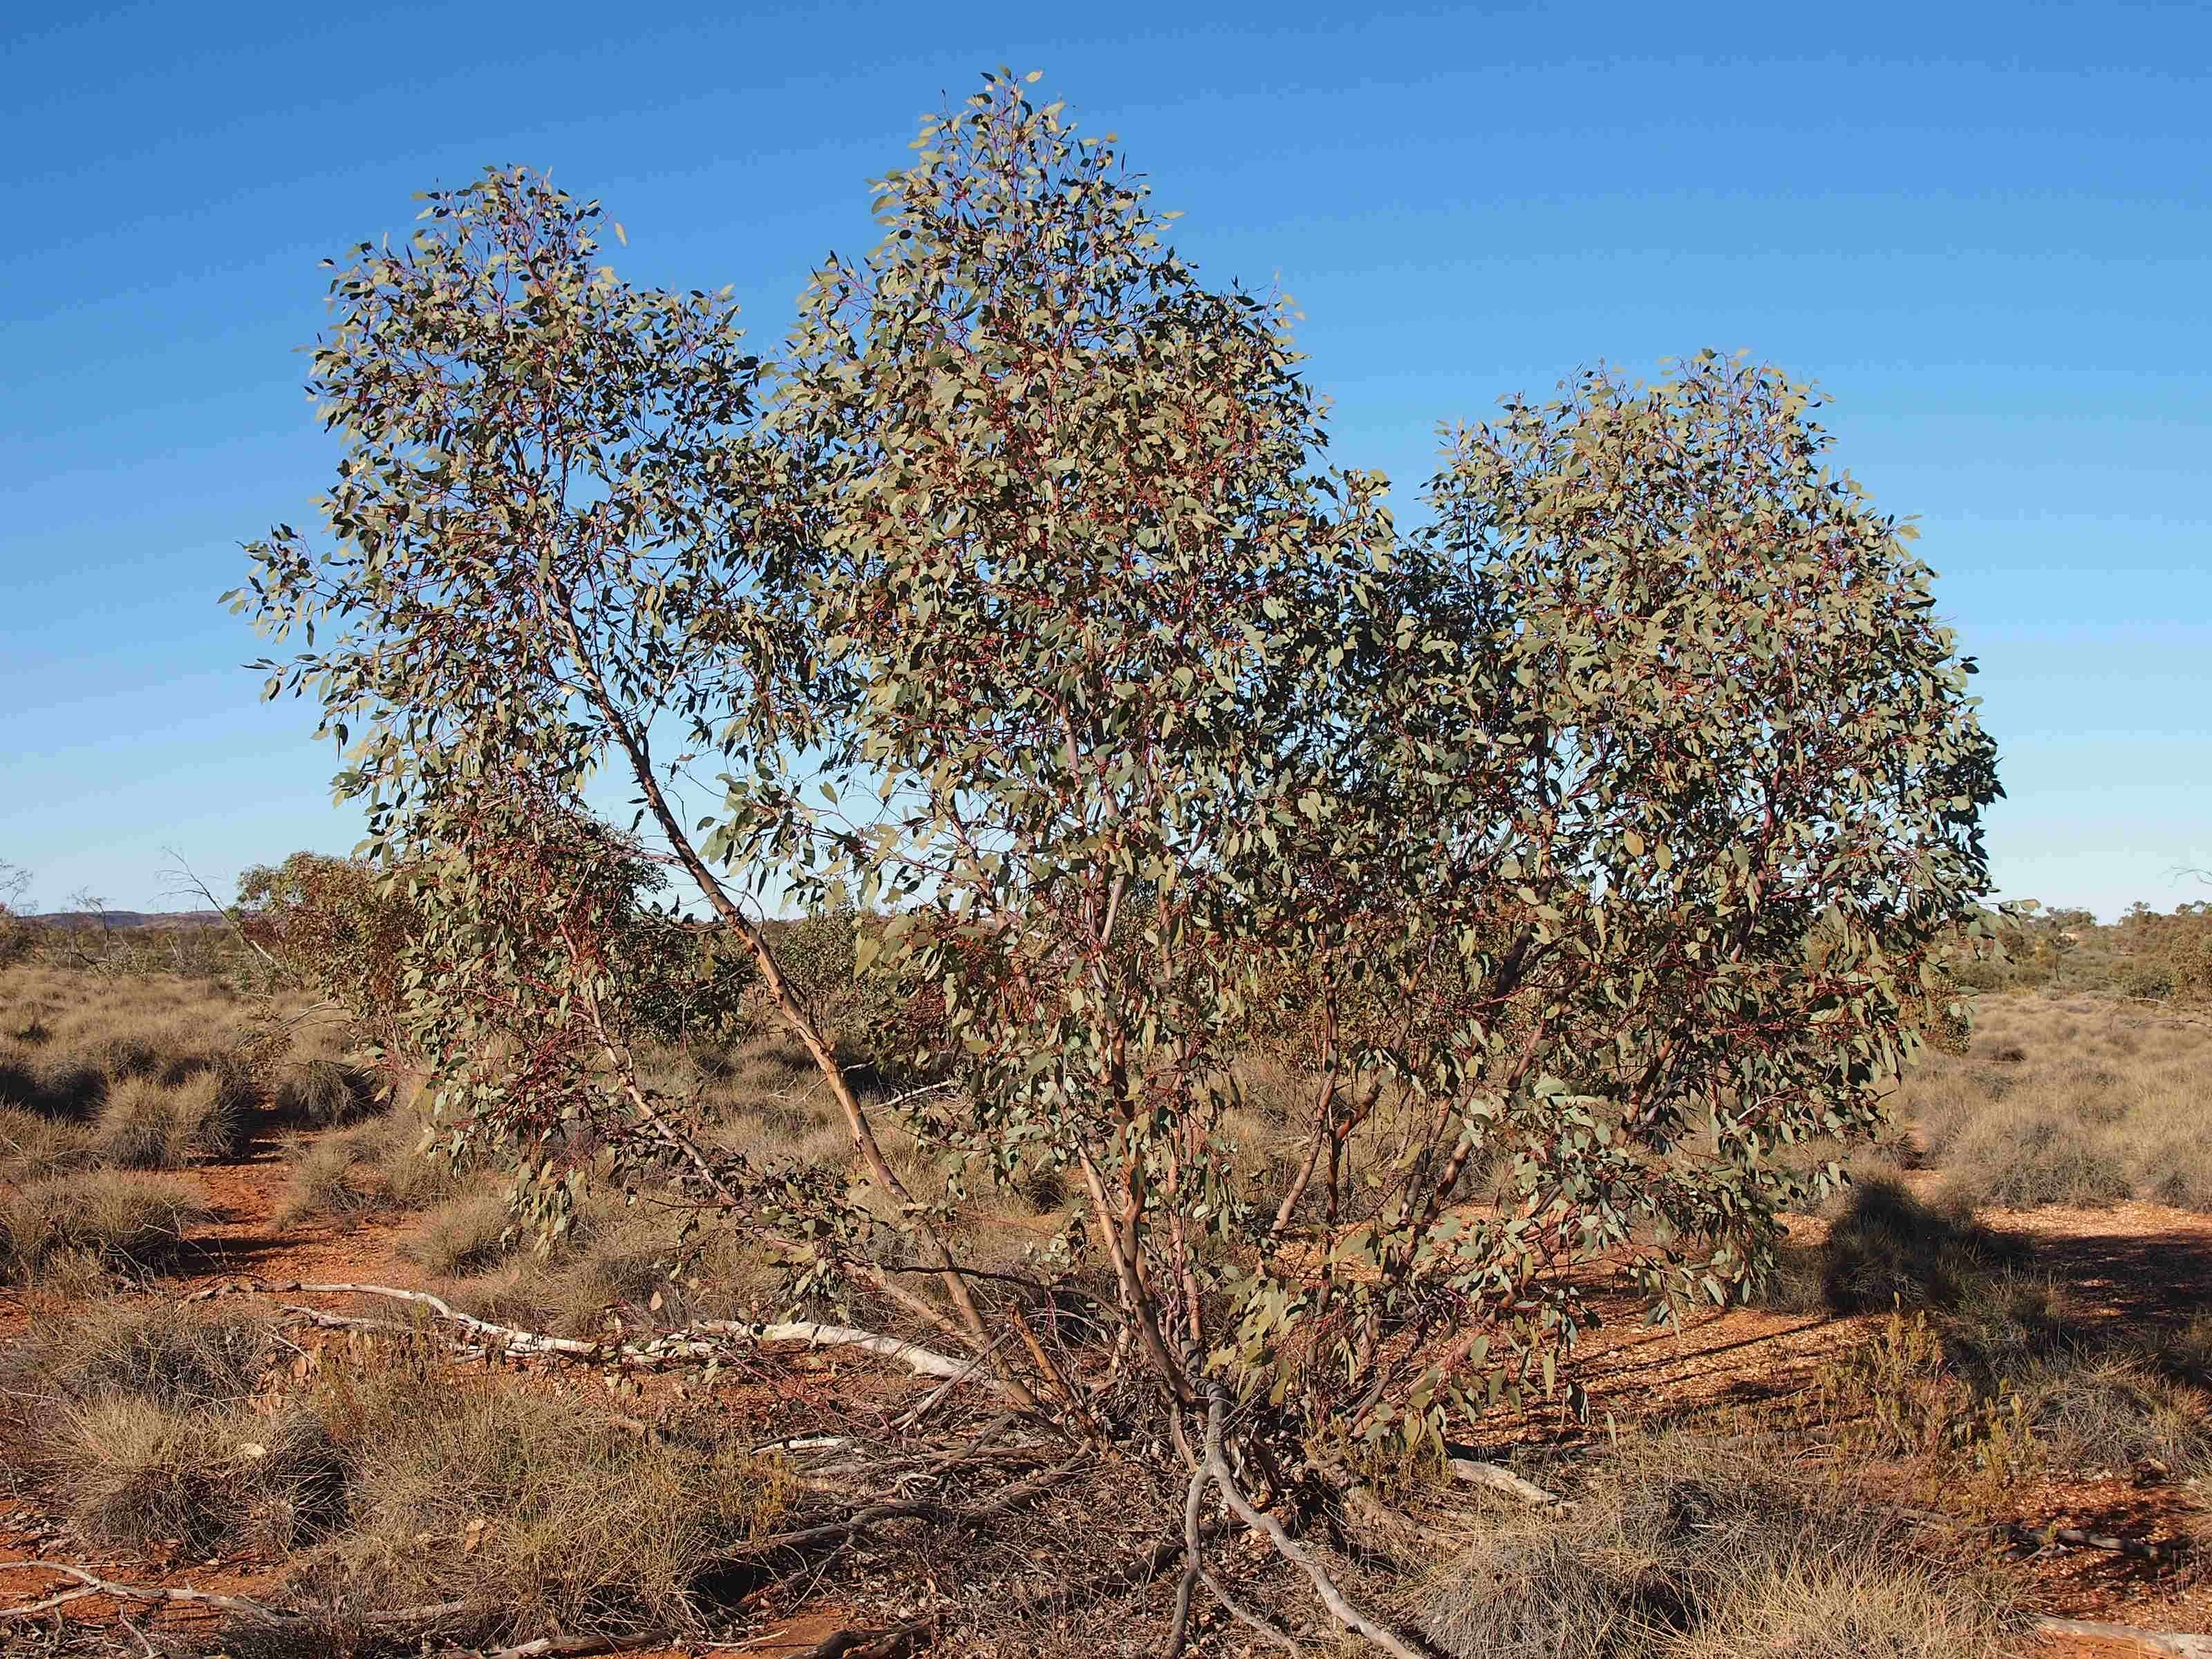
x=1601, y=834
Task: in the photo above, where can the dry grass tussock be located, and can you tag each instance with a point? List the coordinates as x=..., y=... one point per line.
x=539, y=1509
x=152, y=1421
x=617, y=1266
x=154, y=1071
x=1886, y=1247
x=1682, y=1548
x=413, y=1486
x=2074, y=1100
x=376, y=1167
x=79, y=1227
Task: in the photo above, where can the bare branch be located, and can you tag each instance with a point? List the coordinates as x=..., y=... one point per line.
x=1500, y=1478
x=696, y=1342
x=1297, y=1554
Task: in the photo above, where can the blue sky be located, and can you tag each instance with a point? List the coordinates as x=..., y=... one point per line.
x=1985, y=230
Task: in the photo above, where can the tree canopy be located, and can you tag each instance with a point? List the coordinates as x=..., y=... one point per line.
x=1600, y=836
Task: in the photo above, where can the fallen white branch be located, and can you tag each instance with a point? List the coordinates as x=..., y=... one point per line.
x=701, y=1340
x=922, y=1362
x=2166, y=1644
x=1498, y=1478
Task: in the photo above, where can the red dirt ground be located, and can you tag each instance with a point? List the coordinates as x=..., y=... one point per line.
x=2137, y=1263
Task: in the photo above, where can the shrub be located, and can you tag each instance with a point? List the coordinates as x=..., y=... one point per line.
x=1240, y=718
x=33, y=1146
x=335, y=924
x=613, y=1261
x=2083, y=1103
x=2011, y=1376
x=1683, y=1549
x=16, y=1073
x=176, y=1357
x=2013, y=1322
x=139, y=1473
x=147, y=1424
x=376, y=1165
x=2115, y=1413
x=1887, y=1248
x=323, y=1094
x=332, y=1181
x=538, y=1511
x=147, y=1124
x=154, y=1050
x=2019, y=1160
x=463, y=1236
x=126, y=1223
x=49, y=1080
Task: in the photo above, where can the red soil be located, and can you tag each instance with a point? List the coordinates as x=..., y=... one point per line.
x=2137, y=1263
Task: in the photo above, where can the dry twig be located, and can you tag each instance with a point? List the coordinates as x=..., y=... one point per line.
x=1332, y=1596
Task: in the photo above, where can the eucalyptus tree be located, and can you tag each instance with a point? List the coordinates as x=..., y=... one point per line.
x=547, y=558
x=1077, y=553
x=1661, y=798
x=1605, y=835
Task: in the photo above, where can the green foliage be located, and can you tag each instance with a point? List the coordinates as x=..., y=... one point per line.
x=1076, y=553
x=339, y=926
x=2168, y=956
x=1674, y=784
x=540, y=563
x=1617, y=833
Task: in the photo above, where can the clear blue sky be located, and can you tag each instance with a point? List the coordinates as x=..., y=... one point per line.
x=1986, y=230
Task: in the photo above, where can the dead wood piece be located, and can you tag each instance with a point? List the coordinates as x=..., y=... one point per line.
x=697, y=1341
x=91, y=1583
x=898, y=1642
x=875, y=1515
x=1498, y=1478
x=921, y=1361
x=559, y=1647
x=2168, y=1645
x=1332, y=1596
x=2142, y=1549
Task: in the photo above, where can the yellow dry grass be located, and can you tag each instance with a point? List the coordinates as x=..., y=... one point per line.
x=2075, y=1100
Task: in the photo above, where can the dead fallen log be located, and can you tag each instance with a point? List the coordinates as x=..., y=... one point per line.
x=704, y=1339
x=2140, y=1549
x=1500, y=1478
x=91, y=1583
x=2163, y=1644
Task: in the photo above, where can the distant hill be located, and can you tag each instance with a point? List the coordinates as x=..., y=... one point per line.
x=156, y=920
